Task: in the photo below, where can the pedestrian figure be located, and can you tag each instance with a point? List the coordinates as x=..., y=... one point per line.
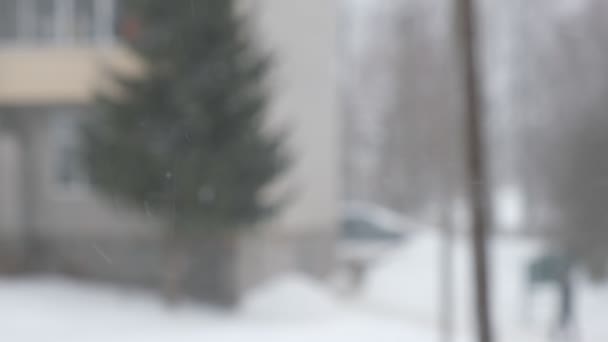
x=565, y=328
x=555, y=270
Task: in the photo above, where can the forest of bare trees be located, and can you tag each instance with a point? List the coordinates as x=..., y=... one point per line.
x=544, y=71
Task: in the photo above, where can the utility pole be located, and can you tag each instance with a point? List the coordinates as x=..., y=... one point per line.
x=477, y=177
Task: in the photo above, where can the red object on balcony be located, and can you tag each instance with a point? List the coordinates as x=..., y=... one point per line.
x=130, y=28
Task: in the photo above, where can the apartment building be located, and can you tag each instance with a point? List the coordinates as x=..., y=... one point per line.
x=53, y=55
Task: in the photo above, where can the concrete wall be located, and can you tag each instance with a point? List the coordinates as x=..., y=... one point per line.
x=9, y=189
x=303, y=36
x=218, y=270
x=52, y=207
x=10, y=233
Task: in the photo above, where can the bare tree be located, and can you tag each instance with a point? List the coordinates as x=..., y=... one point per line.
x=420, y=170
x=561, y=138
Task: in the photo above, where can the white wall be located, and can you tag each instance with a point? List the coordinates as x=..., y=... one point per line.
x=303, y=37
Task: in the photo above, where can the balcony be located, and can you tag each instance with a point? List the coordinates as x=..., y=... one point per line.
x=56, y=75
x=52, y=51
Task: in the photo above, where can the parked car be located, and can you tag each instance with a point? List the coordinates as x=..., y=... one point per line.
x=367, y=231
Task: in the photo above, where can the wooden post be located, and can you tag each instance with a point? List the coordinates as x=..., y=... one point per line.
x=477, y=177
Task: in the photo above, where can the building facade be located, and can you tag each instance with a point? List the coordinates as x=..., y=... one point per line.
x=53, y=55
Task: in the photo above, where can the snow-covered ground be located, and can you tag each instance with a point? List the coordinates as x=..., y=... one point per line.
x=49, y=309
x=398, y=303
x=408, y=283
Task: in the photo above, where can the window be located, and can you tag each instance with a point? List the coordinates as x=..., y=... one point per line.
x=43, y=15
x=59, y=22
x=84, y=20
x=68, y=170
x=8, y=19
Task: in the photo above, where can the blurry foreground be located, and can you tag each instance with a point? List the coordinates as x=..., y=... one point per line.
x=398, y=303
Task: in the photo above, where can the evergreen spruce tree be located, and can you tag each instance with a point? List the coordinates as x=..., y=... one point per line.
x=185, y=139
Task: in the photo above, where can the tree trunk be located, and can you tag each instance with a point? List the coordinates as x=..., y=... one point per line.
x=176, y=267
x=446, y=269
